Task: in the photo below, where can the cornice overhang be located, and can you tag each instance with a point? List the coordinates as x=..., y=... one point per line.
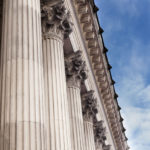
x=101, y=67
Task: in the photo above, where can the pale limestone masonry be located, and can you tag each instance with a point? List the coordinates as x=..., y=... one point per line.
x=89, y=108
x=56, y=88
x=54, y=19
x=22, y=123
x=76, y=74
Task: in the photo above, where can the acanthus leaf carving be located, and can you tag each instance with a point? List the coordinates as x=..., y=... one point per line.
x=75, y=67
x=56, y=19
x=89, y=105
x=100, y=134
x=106, y=147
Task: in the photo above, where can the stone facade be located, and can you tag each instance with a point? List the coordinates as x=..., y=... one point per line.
x=56, y=89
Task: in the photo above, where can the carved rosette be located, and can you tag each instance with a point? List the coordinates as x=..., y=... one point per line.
x=89, y=106
x=55, y=20
x=76, y=72
x=100, y=135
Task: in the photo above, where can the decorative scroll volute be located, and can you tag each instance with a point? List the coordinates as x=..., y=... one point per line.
x=76, y=72
x=100, y=135
x=55, y=20
x=89, y=106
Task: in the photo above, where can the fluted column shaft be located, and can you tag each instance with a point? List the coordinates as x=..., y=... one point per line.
x=58, y=127
x=89, y=106
x=76, y=74
x=76, y=119
x=89, y=135
x=21, y=90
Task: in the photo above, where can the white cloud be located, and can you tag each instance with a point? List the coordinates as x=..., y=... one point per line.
x=146, y=93
x=137, y=121
x=134, y=92
x=128, y=7
x=131, y=68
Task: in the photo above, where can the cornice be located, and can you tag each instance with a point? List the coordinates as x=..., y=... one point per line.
x=101, y=67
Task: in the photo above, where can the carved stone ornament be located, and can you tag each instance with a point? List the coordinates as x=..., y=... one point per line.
x=99, y=132
x=100, y=135
x=55, y=20
x=89, y=105
x=106, y=147
x=76, y=72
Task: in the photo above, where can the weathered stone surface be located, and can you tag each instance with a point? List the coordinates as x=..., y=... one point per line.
x=100, y=135
x=55, y=19
x=55, y=27
x=76, y=74
x=22, y=122
x=89, y=105
x=89, y=110
x=76, y=71
x=99, y=132
x=106, y=147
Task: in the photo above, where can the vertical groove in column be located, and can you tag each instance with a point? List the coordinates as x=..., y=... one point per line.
x=13, y=80
x=89, y=135
x=58, y=136
x=65, y=104
x=89, y=107
x=1, y=76
x=19, y=132
x=1, y=22
x=60, y=109
x=8, y=83
x=76, y=119
x=1, y=19
x=50, y=44
x=2, y=79
x=35, y=74
x=22, y=123
x=76, y=74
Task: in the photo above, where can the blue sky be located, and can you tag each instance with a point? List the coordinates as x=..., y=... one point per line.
x=126, y=25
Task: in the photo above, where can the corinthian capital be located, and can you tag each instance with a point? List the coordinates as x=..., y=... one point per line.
x=89, y=105
x=55, y=19
x=100, y=133
x=76, y=72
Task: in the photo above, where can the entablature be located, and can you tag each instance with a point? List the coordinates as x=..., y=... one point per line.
x=91, y=30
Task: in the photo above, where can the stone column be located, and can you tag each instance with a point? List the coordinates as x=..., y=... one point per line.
x=55, y=27
x=89, y=107
x=100, y=136
x=76, y=73
x=21, y=89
